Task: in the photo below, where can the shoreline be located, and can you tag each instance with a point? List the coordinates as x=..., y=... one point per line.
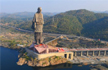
x=17, y=48
x=24, y=58
x=66, y=64
x=93, y=60
x=72, y=62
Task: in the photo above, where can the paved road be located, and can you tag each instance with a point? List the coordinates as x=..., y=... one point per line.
x=19, y=29
x=91, y=49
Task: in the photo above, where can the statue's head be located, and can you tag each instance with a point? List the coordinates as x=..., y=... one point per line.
x=39, y=10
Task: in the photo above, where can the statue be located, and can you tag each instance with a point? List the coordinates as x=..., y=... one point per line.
x=37, y=26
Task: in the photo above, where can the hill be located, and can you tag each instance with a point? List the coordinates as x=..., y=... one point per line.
x=105, y=12
x=97, y=29
x=71, y=22
x=21, y=19
x=25, y=14
x=78, y=22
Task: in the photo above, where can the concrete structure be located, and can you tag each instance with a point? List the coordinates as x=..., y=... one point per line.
x=91, y=50
x=54, y=41
x=68, y=55
x=88, y=53
x=20, y=45
x=87, y=50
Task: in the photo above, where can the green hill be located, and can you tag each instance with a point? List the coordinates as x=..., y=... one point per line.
x=71, y=22
x=97, y=29
x=78, y=22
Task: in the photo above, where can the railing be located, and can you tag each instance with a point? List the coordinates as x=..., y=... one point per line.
x=87, y=49
x=53, y=39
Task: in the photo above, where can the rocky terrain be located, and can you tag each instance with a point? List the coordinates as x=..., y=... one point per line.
x=75, y=42
x=9, y=38
x=100, y=67
x=25, y=59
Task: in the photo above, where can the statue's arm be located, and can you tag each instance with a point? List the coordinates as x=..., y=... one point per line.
x=42, y=20
x=34, y=22
x=34, y=18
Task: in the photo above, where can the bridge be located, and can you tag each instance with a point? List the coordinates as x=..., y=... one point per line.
x=81, y=51
x=89, y=51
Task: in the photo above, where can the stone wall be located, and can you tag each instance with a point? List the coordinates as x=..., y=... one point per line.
x=68, y=55
x=31, y=53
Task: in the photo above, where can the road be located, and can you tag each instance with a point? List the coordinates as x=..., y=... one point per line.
x=22, y=30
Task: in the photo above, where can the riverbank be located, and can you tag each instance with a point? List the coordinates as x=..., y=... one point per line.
x=6, y=44
x=90, y=60
x=99, y=67
x=28, y=60
x=11, y=57
x=55, y=60
x=84, y=60
x=14, y=48
x=24, y=58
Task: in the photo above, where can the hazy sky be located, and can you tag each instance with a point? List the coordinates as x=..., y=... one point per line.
x=12, y=6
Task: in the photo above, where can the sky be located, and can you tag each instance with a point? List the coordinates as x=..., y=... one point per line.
x=13, y=6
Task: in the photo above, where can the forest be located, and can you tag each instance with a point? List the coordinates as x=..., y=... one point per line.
x=74, y=22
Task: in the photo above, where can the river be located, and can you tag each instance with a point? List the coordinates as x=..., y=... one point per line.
x=9, y=57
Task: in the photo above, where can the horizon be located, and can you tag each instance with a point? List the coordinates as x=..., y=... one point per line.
x=14, y=6
x=52, y=12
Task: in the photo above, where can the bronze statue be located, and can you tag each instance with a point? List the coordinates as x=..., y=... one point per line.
x=37, y=26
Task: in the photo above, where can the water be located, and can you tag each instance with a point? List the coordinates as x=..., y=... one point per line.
x=9, y=57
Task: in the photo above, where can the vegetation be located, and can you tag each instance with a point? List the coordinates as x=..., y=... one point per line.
x=78, y=22
x=27, y=57
x=97, y=29
x=30, y=61
x=10, y=37
x=12, y=44
x=72, y=22
x=81, y=43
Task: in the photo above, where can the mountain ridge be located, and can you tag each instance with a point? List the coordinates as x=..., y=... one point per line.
x=77, y=22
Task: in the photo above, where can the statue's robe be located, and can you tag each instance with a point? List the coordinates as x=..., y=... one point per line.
x=38, y=22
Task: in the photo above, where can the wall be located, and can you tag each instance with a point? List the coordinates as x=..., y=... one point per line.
x=31, y=53
x=41, y=56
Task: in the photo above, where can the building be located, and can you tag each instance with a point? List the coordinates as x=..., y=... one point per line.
x=43, y=51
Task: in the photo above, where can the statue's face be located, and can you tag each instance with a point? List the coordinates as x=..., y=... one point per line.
x=39, y=10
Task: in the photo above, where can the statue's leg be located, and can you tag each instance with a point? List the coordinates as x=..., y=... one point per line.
x=36, y=35
x=41, y=39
